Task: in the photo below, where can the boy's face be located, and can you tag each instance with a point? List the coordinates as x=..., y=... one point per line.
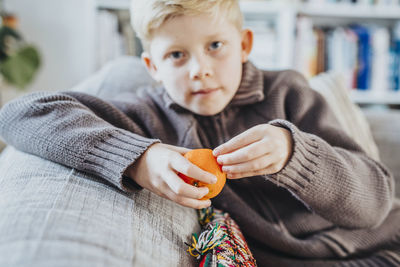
x=199, y=61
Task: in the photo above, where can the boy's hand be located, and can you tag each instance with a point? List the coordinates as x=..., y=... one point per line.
x=157, y=170
x=263, y=149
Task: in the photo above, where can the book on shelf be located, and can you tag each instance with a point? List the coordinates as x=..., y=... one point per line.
x=395, y=58
x=109, y=41
x=380, y=44
x=115, y=36
x=305, y=57
x=341, y=53
x=363, y=57
x=320, y=57
x=263, y=54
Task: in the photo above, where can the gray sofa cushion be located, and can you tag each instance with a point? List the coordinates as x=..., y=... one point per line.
x=124, y=74
x=51, y=215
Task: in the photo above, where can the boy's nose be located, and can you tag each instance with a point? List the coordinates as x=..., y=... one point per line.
x=200, y=69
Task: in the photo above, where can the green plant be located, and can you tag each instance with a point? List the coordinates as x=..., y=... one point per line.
x=19, y=61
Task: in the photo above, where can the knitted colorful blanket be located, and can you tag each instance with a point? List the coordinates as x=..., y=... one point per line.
x=220, y=242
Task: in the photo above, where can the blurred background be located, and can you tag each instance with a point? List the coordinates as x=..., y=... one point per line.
x=75, y=38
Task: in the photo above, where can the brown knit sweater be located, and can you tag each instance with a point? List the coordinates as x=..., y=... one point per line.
x=330, y=205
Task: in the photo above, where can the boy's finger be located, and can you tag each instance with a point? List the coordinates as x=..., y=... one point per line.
x=180, y=150
x=265, y=171
x=179, y=187
x=237, y=142
x=195, y=204
x=249, y=166
x=184, y=166
x=187, y=202
x=246, y=153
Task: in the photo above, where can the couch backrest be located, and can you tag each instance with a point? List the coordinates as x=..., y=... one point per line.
x=128, y=73
x=331, y=85
x=125, y=74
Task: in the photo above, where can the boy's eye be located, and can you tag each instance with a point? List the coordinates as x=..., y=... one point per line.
x=215, y=45
x=176, y=55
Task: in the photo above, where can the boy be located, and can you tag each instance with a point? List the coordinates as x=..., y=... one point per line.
x=302, y=192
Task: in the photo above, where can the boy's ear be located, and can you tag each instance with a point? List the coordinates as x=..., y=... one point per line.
x=247, y=44
x=151, y=68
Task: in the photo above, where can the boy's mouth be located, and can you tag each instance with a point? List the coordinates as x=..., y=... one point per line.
x=205, y=91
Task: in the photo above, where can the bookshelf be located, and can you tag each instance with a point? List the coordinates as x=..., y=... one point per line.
x=326, y=15
x=284, y=15
x=331, y=14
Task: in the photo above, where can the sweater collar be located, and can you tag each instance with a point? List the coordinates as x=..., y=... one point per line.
x=251, y=89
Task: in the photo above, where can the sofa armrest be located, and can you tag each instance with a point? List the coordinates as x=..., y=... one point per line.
x=385, y=128
x=52, y=215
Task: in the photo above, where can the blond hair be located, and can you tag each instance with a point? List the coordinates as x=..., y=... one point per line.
x=148, y=15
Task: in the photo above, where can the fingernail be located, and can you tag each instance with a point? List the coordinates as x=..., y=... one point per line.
x=206, y=190
x=225, y=169
x=215, y=152
x=214, y=180
x=220, y=160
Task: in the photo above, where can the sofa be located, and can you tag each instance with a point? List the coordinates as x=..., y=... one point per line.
x=52, y=215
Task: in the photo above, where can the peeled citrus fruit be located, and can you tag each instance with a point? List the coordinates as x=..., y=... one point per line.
x=204, y=159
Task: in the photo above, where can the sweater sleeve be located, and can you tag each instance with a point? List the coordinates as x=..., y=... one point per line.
x=76, y=130
x=328, y=171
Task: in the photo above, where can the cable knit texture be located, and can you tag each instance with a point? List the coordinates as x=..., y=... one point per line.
x=330, y=205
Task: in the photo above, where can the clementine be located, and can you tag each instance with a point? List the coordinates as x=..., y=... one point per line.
x=204, y=159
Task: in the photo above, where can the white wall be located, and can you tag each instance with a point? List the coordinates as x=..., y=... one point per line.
x=64, y=32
